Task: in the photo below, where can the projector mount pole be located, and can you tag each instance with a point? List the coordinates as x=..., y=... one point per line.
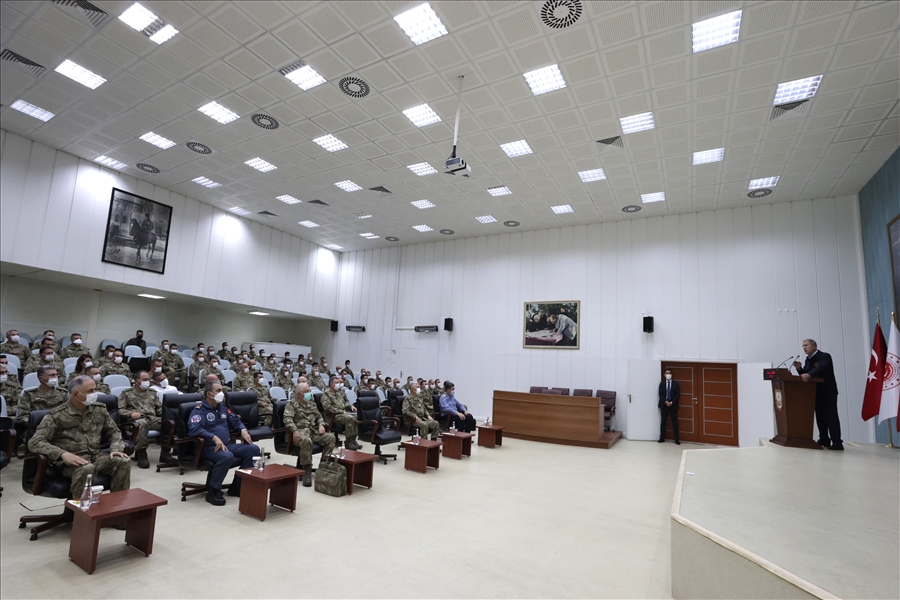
x=456, y=125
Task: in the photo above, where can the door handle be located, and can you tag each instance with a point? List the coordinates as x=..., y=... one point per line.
x=695, y=401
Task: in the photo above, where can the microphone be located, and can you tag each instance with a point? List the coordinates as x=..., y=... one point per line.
x=789, y=358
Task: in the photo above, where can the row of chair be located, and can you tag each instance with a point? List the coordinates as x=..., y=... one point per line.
x=607, y=399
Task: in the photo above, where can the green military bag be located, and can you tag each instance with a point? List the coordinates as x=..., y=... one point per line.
x=331, y=477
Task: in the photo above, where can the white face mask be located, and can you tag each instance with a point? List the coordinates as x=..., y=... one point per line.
x=173, y=350
x=109, y=354
x=91, y=398
x=53, y=382
x=48, y=357
x=668, y=377
x=145, y=385
x=324, y=364
x=88, y=364
x=271, y=361
x=157, y=370
x=97, y=377
x=14, y=339
x=118, y=360
x=4, y=378
x=220, y=397
x=201, y=359
x=214, y=364
x=246, y=370
x=77, y=342
x=164, y=383
x=315, y=371
x=50, y=337
x=165, y=346
x=372, y=387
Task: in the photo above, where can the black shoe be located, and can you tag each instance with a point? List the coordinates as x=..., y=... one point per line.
x=836, y=447
x=822, y=442
x=660, y=441
x=677, y=443
x=215, y=497
x=235, y=488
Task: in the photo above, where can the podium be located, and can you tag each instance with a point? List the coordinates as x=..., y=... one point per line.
x=794, y=401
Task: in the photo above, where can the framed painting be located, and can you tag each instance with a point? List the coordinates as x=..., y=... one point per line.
x=552, y=325
x=137, y=232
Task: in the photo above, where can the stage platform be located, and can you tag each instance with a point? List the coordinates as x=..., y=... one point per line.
x=775, y=522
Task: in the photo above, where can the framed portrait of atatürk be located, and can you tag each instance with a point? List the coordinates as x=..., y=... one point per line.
x=137, y=232
x=552, y=325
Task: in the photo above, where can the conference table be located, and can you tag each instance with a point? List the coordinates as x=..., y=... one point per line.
x=277, y=483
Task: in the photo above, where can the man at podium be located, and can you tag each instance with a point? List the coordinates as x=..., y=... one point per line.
x=819, y=365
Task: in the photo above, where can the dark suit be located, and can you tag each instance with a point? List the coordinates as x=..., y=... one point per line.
x=820, y=365
x=672, y=395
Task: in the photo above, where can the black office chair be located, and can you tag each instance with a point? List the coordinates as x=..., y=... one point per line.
x=168, y=428
x=284, y=440
x=608, y=400
x=190, y=453
x=582, y=392
x=562, y=391
x=373, y=428
x=7, y=443
x=436, y=413
x=245, y=406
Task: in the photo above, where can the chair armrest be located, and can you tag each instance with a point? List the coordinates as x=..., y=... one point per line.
x=198, y=451
x=37, y=488
x=167, y=430
x=396, y=421
x=11, y=444
x=375, y=425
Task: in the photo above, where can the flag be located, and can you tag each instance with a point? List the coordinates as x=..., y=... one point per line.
x=890, y=389
x=875, y=380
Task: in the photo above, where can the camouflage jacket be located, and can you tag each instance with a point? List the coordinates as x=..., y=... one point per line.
x=334, y=401
x=36, y=363
x=300, y=415
x=413, y=404
x=316, y=381
x=242, y=382
x=171, y=361
x=285, y=383
x=145, y=402
x=17, y=349
x=64, y=429
x=37, y=399
x=114, y=369
x=10, y=392
x=72, y=351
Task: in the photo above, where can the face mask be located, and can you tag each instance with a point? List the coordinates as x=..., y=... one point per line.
x=157, y=370
x=91, y=398
x=173, y=350
x=315, y=371
x=335, y=386
x=97, y=377
x=214, y=364
x=453, y=393
x=139, y=336
x=164, y=383
x=165, y=346
x=324, y=364
x=219, y=398
x=307, y=396
x=252, y=348
x=14, y=339
x=118, y=360
x=668, y=377
x=372, y=387
x=145, y=385
x=109, y=354
x=77, y=342
x=271, y=361
x=48, y=357
x=49, y=337
x=88, y=364
x=4, y=378
x=201, y=359
x=53, y=382
x=246, y=370
x=200, y=350
x=259, y=382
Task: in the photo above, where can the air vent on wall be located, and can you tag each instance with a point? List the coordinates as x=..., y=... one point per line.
x=267, y=214
x=319, y=202
x=34, y=68
x=199, y=148
x=560, y=13
x=613, y=142
x=790, y=109
x=760, y=193
x=380, y=189
x=354, y=87
x=265, y=121
x=97, y=16
x=147, y=168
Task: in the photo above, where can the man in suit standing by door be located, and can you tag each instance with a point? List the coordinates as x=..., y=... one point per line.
x=819, y=364
x=669, y=393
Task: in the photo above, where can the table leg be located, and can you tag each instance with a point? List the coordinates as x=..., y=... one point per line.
x=452, y=447
x=253, y=498
x=364, y=472
x=351, y=476
x=434, y=457
x=283, y=493
x=486, y=438
x=499, y=437
x=139, y=533
x=416, y=459
x=84, y=543
x=467, y=447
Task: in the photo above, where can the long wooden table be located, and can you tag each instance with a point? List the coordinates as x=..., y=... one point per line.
x=569, y=420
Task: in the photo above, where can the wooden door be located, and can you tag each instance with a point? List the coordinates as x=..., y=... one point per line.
x=708, y=407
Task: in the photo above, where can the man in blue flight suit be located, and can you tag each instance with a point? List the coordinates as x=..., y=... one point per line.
x=212, y=421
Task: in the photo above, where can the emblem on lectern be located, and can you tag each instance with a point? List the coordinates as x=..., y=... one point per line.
x=779, y=403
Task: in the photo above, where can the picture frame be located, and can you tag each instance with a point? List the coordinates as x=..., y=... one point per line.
x=552, y=325
x=893, y=229
x=137, y=232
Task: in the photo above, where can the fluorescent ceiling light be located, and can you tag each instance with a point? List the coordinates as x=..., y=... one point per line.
x=635, y=123
x=35, y=111
x=369, y=236
x=799, y=89
x=260, y=165
x=157, y=140
x=259, y=313
x=152, y=296
x=422, y=228
x=592, y=175
x=765, y=182
x=334, y=247
x=348, y=186
x=330, y=143
x=304, y=76
x=218, y=112
x=486, y=219
x=206, y=182
x=422, y=204
x=288, y=199
x=422, y=169
x=239, y=211
x=78, y=73
x=110, y=162
x=545, y=80
x=499, y=190
x=717, y=31
x=421, y=24
x=708, y=156
x=657, y=197
x=421, y=115
x=516, y=148
x=562, y=209
x=309, y=224
x=360, y=214
x=164, y=34
x=137, y=17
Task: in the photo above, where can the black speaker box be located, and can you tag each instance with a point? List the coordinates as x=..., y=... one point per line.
x=334, y=325
x=448, y=324
x=648, y=324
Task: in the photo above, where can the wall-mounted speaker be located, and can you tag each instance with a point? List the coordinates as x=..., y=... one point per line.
x=648, y=324
x=334, y=325
x=448, y=324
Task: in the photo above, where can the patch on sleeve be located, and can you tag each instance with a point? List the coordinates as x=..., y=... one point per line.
x=195, y=418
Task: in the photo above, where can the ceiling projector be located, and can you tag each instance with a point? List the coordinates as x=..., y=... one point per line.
x=456, y=164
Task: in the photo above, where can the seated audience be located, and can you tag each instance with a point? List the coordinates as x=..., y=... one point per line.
x=163, y=349
x=94, y=373
x=12, y=346
x=243, y=381
x=299, y=366
x=117, y=367
x=409, y=381
x=198, y=365
x=9, y=389
x=137, y=340
x=252, y=353
x=13, y=374
x=49, y=336
x=271, y=364
x=45, y=357
x=284, y=381
x=315, y=379
x=323, y=365
x=305, y=422
x=84, y=362
x=173, y=366
x=459, y=415
x=225, y=353
x=415, y=406
x=75, y=348
x=348, y=369
x=214, y=367
x=160, y=385
x=139, y=406
x=107, y=357
x=334, y=402
x=263, y=400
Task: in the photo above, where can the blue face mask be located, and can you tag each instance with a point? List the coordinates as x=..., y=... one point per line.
x=453, y=393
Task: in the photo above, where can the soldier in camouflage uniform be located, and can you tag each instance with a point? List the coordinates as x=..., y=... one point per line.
x=263, y=400
x=163, y=349
x=378, y=380
x=299, y=366
x=46, y=357
x=198, y=365
x=334, y=402
x=50, y=336
x=106, y=357
x=214, y=369
x=44, y=397
x=117, y=366
x=75, y=348
x=362, y=386
x=244, y=379
x=173, y=366
x=414, y=405
x=9, y=389
x=315, y=379
x=12, y=346
x=139, y=407
x=70, y=436
x=271, y=365
x=94, y=373
x=252, y=353
x=284, y=381
x=305, y=422
x=406, y=385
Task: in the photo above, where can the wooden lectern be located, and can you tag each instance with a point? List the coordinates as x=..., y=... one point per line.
x=795, y=404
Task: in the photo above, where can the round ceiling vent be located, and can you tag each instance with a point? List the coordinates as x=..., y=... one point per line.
x=391, y=238
x=354, y=87
x=760, y=193
x=199, y=148
x=147, y=168
x=560, y=13
x=447, y=231
x=264, y=121
x=511, y=223
x=631, y=208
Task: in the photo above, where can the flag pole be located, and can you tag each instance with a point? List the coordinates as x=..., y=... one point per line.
x=890, y=433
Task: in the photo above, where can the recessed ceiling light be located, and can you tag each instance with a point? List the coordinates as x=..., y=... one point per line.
x=631, y=208
x=330, y=143
x=635, y=123
x=152, y=296
x=717, y=31
x=519, y=148
x=238, y=211
x=78, y=73
x=164, y=34
x=799, y=89
x=421, y=115
x=421, y=24
x=309, y=224
x=422, y=228
x=708, y=156
x=511, y=223
x=447, y=231
x=486, y=219
x=35, y=111
x=765, y=182
x=359, y=214
x=288, y=199
x=499, y=190
x=302, y=75
x=656, y=197
x=158, y=140
x=545, y=80
x=206, y=182
x=422, y=169
x=562, y=209
x=334, y=247
x=260, y=165
x=391, y=238
x=259, y=313
x=348, y=186
x=422, y=204
x=592, y=175
x=110, y=162
x=218, y=112
x=137, y=17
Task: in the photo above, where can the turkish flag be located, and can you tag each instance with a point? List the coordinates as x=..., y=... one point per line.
x=875, y=379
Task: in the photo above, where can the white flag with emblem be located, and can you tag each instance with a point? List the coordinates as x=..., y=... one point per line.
x=890, y=392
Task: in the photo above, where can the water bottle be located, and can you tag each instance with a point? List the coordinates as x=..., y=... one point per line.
x=488, y=420
x=262, y=460
x=86, y=493
x=416, y=437
x=341, y=451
